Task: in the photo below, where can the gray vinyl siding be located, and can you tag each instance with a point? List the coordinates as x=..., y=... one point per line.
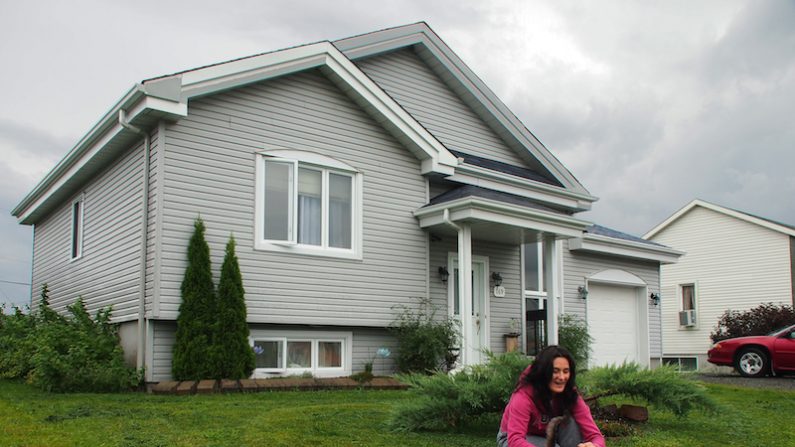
x=502, y=258
x=164, y=336
x=579, y=266
x=108, y=272
x=425, y=96
x=209, y=170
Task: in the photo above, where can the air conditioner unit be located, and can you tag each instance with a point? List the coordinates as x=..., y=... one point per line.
x=687, y=318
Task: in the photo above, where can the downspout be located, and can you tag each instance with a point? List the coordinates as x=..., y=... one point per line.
x=144, y=234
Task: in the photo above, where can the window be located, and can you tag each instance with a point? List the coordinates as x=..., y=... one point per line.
x=77, y=229
x=688, y=296
x=533, y=258
x=307, y=203
x=298, y=352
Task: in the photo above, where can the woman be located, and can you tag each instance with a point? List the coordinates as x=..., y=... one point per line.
x=546, y=389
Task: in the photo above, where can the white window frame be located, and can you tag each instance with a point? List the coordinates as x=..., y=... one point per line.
x=327, y=166
x=315, y=337
x=681, y=297
x=77, y=226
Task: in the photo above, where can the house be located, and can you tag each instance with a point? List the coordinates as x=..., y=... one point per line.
x=733, y=260
x=351, y=173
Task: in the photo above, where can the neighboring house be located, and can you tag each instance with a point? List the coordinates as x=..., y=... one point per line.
x=351, y=173
x=733, y=260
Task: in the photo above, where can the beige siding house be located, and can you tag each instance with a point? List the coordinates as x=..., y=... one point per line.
x=733, y=260
x=351, y=174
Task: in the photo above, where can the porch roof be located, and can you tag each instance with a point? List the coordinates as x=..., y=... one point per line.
x=496, y=216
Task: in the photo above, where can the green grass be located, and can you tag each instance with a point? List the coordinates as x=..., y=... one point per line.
x=748, y=417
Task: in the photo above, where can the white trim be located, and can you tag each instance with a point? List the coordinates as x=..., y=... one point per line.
x=620, y=247
x=680, y=304
x=718, y=209
x=344, y=337
x=618, y=277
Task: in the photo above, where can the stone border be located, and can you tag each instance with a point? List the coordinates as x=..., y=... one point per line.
x=256, y=385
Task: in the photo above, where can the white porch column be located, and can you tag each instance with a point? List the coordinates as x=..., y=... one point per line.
x=465, y=291
x=551, y=278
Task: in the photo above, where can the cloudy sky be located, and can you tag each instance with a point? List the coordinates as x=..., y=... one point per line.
x=649, y=104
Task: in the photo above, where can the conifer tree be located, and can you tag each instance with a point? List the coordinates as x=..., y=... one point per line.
x=196, y=312
x=232, y=354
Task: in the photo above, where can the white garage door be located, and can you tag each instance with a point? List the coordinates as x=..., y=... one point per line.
x=613, y=324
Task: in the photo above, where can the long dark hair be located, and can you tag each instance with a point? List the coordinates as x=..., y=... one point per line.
x=541, y=374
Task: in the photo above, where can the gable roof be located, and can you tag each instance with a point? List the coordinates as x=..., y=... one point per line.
x=167, y=97
x=470, y=88
x=761, y=221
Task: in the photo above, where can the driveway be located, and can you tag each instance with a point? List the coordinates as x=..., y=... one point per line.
x=734, y=379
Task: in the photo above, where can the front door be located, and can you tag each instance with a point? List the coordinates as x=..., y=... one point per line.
x=475, y=337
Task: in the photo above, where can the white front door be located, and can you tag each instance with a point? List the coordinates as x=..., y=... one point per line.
x=475, y=337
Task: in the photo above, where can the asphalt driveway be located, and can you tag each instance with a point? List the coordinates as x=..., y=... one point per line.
x=734, y=379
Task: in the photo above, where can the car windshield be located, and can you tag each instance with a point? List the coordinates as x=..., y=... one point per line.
x=780, y=330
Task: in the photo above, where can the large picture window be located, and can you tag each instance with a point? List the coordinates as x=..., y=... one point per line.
x=307, y=203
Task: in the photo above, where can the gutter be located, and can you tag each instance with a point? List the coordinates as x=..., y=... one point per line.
x=140, y=360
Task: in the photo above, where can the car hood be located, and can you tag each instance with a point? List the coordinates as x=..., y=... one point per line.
x=750, y=338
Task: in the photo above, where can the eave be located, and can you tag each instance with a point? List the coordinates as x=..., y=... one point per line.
x=629, y=249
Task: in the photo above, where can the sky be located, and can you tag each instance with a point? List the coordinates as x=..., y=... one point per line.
x=649, y=104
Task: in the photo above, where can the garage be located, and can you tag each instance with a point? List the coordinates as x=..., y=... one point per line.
x=616, y=321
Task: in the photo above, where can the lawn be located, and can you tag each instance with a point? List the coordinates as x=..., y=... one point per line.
x=748, y=417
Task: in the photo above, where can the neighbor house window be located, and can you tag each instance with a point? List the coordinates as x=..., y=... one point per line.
x=77, y=229
x=290, y=353
x=688, y=296
x=307, y=203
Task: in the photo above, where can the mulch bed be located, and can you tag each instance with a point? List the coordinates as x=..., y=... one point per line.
x=257, y=385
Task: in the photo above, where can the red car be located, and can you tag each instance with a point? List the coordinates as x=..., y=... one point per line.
x=758, y=355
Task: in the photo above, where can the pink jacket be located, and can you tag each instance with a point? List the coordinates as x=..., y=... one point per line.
x=522, y=418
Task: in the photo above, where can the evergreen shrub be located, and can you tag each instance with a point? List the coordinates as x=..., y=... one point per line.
x=234, y=357
x=192, y=355
x=425, y=340
x=760, y=320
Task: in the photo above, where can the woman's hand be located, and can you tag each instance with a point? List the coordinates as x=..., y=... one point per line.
x=586, y=444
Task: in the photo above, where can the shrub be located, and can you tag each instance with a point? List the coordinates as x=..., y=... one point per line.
x=760, y=320
x=16, y=343
x=197, y=312
x=573, y=335
x=79, y=353
x=234, y=357
x=426, y=341
x=443, y=401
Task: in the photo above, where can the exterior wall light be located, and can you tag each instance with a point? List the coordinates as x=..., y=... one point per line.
x=497, y=278
x=654, y=298
x=583, y=292
x=444, y=275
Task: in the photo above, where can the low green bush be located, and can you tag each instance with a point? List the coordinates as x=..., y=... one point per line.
x=64, y=354
x=426, y=341
x=573, y=335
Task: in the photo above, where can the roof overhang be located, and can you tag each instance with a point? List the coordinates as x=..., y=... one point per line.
x=604, y=245
x=471, y=89
x=168, y=97
x=500, y=221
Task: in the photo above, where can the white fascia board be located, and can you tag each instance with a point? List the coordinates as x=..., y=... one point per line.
x=486, y=178
x=653, y=232
x=620, y=247
x=475, y=208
